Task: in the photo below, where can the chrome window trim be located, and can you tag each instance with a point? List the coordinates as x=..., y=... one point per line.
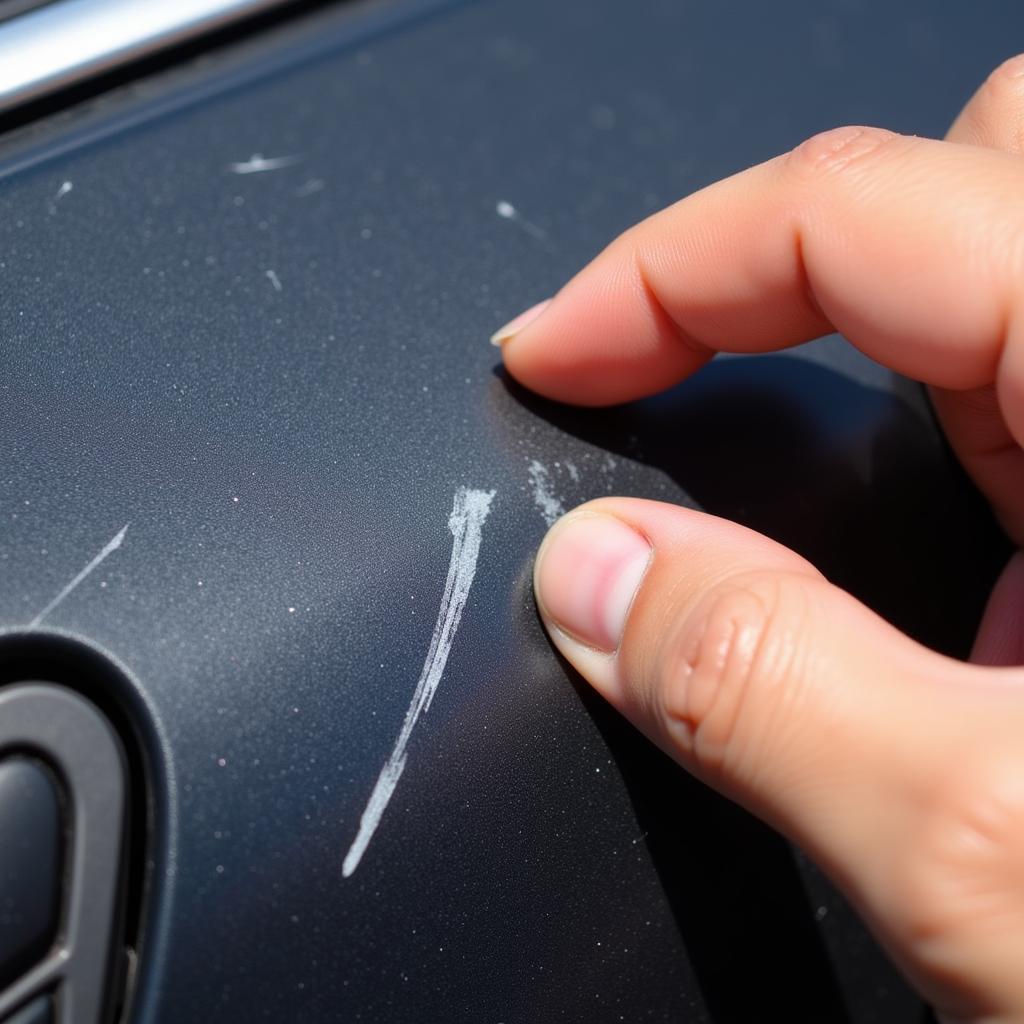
x=71, y=40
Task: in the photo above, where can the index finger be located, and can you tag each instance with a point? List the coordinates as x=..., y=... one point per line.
x=912, y=248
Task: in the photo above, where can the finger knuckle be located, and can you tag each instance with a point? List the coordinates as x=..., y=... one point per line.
x=730, y=663
x=963, y=874
x=838, y=150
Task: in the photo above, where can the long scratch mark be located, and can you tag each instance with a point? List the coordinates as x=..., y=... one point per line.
x=257, y=164
x=544, y=497
x=469, y=510
x=109, y=548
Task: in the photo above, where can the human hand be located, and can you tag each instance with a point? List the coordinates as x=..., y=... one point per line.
x=901, y=771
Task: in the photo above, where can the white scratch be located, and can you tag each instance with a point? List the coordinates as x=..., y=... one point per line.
x=111, y=546
x=64, y=189
x=571, y=469
x=274, y=279
x=257, y=164
x=309, y=187
x=505, y=209
x=544, y=496
x=469, y=510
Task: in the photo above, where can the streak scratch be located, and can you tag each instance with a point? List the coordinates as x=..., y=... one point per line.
x=64, y=189
x=507, y=211
x=469, y=510
x=109, y=548
x=257, y=164
x=274, y=279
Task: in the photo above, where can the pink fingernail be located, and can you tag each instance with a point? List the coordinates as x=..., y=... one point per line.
x=588, y=574
x=513, y=327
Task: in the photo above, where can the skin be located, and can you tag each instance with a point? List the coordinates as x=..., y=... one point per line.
x=901, y=771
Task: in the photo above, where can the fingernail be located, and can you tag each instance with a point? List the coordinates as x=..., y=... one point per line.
x=513, y=327
x=588, y=572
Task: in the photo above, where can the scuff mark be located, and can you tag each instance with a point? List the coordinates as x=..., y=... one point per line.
x=273, y=279
x=108, y=549
x=257, y=164
x=309, y=187
x=544, y=497
x=470, y=509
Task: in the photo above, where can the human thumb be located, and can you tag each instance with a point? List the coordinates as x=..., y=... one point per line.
x=882, y=759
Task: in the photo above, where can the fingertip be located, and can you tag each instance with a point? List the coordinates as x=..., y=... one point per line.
x=994, y=116
x=602, y=340
x=505, y=334
x=588, y=571
x=588, y=567
x=613, y=559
